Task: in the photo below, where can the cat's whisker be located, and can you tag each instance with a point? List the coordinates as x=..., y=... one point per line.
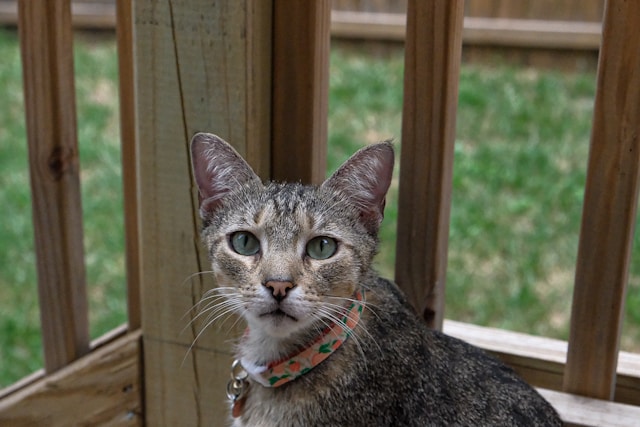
x=214, y=317
x=352, y=333
x=340, y=310
x=219, y=289
x=367, y=305
x=209, y=295
x=321, y=317
x=207, y=298
x=336, y=314
x=369, y=289
x=226, y=310
x=212, y=309
x=209, y=322
x=353, y=300
x=198, y=307
x=192, y=276
x=238, y=319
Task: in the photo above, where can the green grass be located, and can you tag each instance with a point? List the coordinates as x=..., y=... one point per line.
x=519, y=174
x=519, y=171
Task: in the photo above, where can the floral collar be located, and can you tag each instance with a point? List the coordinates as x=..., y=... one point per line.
x=288, y=369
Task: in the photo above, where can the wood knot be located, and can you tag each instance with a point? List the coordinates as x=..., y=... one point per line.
x=61, y=161
x=429, y=315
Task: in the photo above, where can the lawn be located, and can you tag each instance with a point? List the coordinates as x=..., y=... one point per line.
x=519, y=172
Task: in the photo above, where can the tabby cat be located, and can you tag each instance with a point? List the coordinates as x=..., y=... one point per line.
x=328, y=342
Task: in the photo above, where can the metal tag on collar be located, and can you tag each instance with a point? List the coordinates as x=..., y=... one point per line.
x=237, y=388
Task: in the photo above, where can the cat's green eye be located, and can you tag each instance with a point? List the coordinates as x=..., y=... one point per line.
x=321, y=247
x=245, y=243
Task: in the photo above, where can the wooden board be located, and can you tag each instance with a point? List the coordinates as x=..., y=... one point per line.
x=578, y=10
x=609, y=213
x=49, y=88
x=432, y=67
x=129, y=159
x=565, y=10
x=300, y=90
x=186, y=387
x=199, y=67
x=102, y=388
x=529, y=33
x=540, y=360
x=583, y=411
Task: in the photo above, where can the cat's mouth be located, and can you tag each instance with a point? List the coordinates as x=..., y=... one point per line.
x=279, y=314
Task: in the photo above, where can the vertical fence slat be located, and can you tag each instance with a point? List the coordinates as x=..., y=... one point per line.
x=300, y=89
x=124, y=29
x=609, y=210
x=432, y=64
x=47, y=61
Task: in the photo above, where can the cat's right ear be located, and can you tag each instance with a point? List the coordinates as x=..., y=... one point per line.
x=218, y=170
x=365, y=178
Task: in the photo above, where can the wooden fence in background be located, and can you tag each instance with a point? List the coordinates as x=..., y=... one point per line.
x=544, y=33
x=230, y=68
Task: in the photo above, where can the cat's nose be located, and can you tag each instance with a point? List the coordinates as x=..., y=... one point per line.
x=279, y=289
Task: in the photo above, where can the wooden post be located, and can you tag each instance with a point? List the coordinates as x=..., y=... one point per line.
x=432, y=64
x=200, y=66
x=300, y=89
x=609, y=214
x=124, y=31
x=47, y=64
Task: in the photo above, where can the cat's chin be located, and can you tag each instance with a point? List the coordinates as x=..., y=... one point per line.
x=279, y=325
x=276, y=324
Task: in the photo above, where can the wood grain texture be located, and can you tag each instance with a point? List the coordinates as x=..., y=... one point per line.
x=609, y=213
x=124, y=33
x=541, y=361
x=189, y=386
x=102, y=388
x=300, y=90
x=47, y=64
x=200, y=66
x=582, y=411
x=432, y=67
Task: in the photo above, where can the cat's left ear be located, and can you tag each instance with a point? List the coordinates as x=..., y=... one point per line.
x=365, y=178
x=218, y=170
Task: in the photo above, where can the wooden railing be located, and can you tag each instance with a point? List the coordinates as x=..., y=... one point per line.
x=237, y=69
x=97, y=382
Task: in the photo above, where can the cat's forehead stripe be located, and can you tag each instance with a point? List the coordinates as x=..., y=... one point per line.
x=310, y=221
x=259, y=216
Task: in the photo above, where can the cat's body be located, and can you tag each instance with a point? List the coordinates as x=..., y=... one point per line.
x=290, y=259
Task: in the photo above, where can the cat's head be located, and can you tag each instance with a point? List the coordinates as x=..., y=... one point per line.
x=288, y=256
